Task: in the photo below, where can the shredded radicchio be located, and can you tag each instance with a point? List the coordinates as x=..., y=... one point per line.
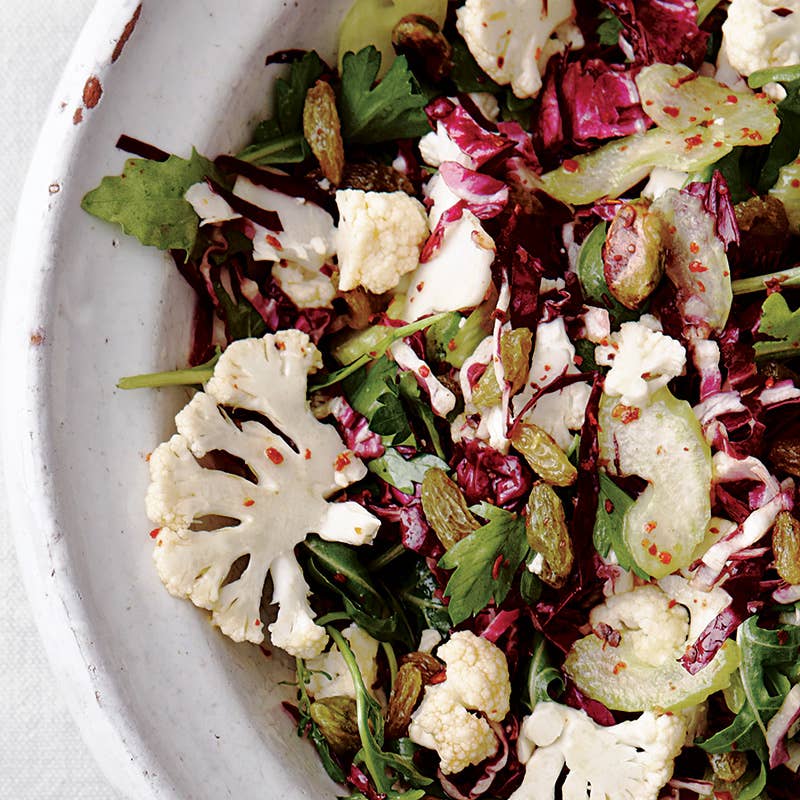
x=484, y=473
x=717, y=201
x=355, y=431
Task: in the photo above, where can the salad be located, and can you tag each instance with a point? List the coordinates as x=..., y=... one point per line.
x=494, y=422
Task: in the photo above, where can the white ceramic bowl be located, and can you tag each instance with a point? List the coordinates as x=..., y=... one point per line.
x=170, y=708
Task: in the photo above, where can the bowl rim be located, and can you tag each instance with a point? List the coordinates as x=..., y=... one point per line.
x=27, y=488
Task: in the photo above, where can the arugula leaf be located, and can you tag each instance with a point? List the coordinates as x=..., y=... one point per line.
x=420, y=408
x=242, y=321
x=785, y=145
x=485, y=563
x=375, y=393
x=146, y=200
x=307, y=726
x=612, y=505
x=530, y=586
x=383, y=767
x=769, y=668
x=466, y=74
x=439, y=338
x=609, y=29
x=545, y=681
x=782, y=325
x=280, y=140
x=190, y=376
x=392, y=109
x=419, y=594
x=403, y=473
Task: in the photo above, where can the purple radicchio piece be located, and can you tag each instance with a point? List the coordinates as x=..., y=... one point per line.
x=354, y=429
x=485, y=474
x=483, y=195
x=717, y=201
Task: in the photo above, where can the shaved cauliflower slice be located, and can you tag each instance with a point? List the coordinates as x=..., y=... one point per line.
x=642, y=360
x=477, y=680
x=272, y=514
x=642, y=752
x=512, y=40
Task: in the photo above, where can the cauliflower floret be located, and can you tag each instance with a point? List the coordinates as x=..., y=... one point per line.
x=512, y=40
x=629, y=761
x=332, y=663
x=559, y=412
x=477, y=680
x=655, y=627
x=703, y=607
x=273, y=513
x=460, y=271
x=305, y=288
x=755, y=37
x=379, y=238
x=642, y=361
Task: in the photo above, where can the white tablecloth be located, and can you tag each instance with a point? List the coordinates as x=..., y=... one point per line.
x=42, y=757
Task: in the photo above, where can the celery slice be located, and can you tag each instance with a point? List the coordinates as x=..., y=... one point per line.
x=662, y=443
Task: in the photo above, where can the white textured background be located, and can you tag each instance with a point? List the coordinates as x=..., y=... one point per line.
x=41, y=754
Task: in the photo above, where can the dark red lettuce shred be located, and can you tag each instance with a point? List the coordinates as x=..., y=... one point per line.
x=481, y=145
x=575, y=698
x=717, y=201
x=715, y=634
x=359, y=781
x=526, y=278
x=664, y=31
x=405, y=511
x=483, y=473
x=354, y=430
x=483, y=195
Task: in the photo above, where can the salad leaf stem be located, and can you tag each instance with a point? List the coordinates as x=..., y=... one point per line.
x=191, y=376
x=380, y=348
x=391, y=658
x=384, y=559
x=760, y=77
x=786, y=278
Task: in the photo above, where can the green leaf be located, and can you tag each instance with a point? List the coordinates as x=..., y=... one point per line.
x=242, y=321
x=786, y=144
x=485, y=563
x=545, y=681
x=769, y=663
x=378, y=350
x=419, y=406
x=191, y=376
x=440, y=338
x=466, y=74
x=146, y=200
x=375, y=393
x=609, y=29
x=592, y=277
x=403, y=473
x=392, y=109
x=477, y=327
x=419, y=594
x=612, y=505
x=280, y=140
x=782, y=326
x=307, y=726
x=530, y=586
x=383, y=767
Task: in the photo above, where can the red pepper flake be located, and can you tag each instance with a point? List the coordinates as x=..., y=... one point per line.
x=701, y=286
x=439, y=677
x=500, y=62
x=571, y=165
x=609, y=506
x=672, y=229
x=578, y=360
x=713, y=530
x=693, y=141
x=307, y=455
x=732, y=98
x=257, y=622
x=280, y=346
x=420, y=286
x=665, y=558
x=547, y=368
x=249, y=502
x=498, y=562
x=696, y=266
x=795, y=183
x=653, y=550
x=274, y=455
x=694, y=247
x=718, y=144
x=451, y=345
x=783, y=637
x=626, y=414
x=650, y=526
x=769, y=382
x=339, y=577
x=623, y=148
x=725, y=274
x=672, y=111
x=424, y=371
x=645, y=543
x=672, y=604
x=648, y=102
x=274, y=241
x=693, y=119
x=154, y=533
x=619, y=666
x=706, y=108
x=342, y=460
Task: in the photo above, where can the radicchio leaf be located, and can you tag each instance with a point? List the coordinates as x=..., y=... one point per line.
x=483, y=195
x=354, y=429
x=717, y=201
x=485, y=474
